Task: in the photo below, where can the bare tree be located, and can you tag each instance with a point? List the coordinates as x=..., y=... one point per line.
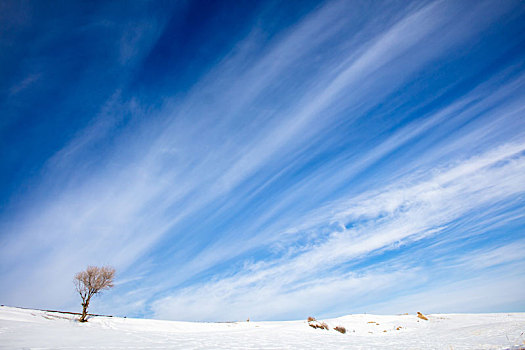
x=92, y=281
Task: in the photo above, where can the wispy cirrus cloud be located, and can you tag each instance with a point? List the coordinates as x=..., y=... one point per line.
x=367, y=226
x=305, y=161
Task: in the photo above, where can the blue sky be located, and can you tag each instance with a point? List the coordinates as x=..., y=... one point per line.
x=264, y=160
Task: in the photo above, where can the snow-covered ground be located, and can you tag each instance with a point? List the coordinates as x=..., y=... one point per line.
x=32, y=329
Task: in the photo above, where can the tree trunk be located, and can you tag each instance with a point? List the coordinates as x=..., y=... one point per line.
x=85, y=305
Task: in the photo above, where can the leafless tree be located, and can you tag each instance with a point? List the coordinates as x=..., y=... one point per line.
x=92, y=281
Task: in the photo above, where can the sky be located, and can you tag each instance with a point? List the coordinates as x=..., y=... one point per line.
x=270, y=160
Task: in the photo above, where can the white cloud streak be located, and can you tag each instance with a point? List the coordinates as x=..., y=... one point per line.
x=385, y=220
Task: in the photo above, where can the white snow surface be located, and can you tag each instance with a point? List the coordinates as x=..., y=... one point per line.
x=35, y=329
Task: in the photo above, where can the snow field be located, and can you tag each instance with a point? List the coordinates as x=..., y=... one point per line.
x=34, y=329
